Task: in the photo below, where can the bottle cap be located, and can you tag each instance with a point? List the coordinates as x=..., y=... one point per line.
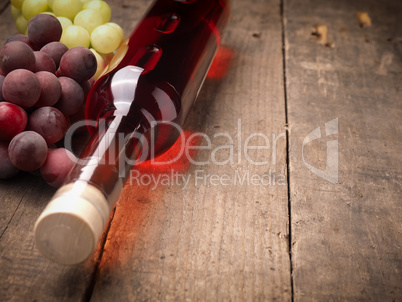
x=69, y=228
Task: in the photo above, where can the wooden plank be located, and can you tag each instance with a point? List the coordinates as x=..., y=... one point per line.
x=205, y=241
x=26, y=275
x=3, y=5
x=346, y=237
x=6, y=22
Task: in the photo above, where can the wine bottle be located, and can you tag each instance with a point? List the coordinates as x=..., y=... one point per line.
x=139, y=106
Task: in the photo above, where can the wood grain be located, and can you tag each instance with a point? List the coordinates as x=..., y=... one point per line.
x=3, y=5
x=346, y=237
x=205, y=242
x=212, y=242
x=25, y=275
x=208, y=241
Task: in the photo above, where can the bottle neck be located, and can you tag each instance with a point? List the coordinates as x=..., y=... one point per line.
x=113, y=149
x=70, y=226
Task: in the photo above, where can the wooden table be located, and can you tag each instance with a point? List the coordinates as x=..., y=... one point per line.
x=316, y=211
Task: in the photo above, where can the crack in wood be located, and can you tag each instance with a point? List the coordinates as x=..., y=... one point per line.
x=12, y=216
x=289, y=236
x=88, y=293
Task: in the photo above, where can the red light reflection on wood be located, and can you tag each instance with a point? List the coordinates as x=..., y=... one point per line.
x=136, y=205
x=221, y=63
x=176, y=158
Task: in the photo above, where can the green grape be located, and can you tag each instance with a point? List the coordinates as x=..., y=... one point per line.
x=101, y=6
x=15, y=12
x=101, y=63
x=49, y=13
x=105, y=39
x=88, y=19
x=17, y=3
x=21, y=24
x=118, y=27
x=65, y=22
x=50, y=3
x=66, y=8
x=75, y=35
x=31, y=8
x=85, y=1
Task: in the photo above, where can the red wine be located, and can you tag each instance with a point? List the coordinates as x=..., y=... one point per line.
x=139, y=107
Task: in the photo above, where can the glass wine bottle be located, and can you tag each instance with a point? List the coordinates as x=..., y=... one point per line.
x=139, y=105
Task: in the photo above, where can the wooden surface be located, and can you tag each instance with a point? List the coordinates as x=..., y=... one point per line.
x=302, y=238
x=346, y=237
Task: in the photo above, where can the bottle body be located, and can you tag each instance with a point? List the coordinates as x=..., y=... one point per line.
x=174, y=44
x=165, y=60
x=139, y=106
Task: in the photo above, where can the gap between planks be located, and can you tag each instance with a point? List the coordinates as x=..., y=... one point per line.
x=283, y=23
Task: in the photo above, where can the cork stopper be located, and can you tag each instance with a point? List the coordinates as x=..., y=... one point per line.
x=68, y=230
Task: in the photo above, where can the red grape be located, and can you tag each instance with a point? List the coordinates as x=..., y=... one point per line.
x=57, y=165
x=13, y=120
x=18, y=37
x=21, y=87
x=55, y=50
x=1, y=86
x=7, y=169
x=15, y=55
x=78, y=117
x=68, y=121
x=44, y=62
x=49, y=122
x=50, y=89
x=43, y=29
x=27, y=151
x=42, y=85
x=86, y=87
x=72, y=96
x=78, y=63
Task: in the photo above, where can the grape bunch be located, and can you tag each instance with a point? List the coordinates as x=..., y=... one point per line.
x=43, y=87
x=84, y=23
